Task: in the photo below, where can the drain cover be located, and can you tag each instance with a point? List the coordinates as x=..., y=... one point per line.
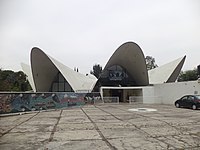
x=142, y=109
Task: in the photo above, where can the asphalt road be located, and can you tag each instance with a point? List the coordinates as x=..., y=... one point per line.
x=102, y=127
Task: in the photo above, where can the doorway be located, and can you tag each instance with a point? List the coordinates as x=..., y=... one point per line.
x=117, y=93
x=123, y=93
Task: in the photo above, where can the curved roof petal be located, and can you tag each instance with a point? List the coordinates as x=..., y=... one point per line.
x=166, y=73
x=78, y=81
x=26, y=68
x=45, y=68
x=130, y=56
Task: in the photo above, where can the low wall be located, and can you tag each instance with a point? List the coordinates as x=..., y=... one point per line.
x=170, y=92
x=18, y=102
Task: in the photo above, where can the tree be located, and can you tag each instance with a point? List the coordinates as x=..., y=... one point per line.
x=97, y=69
x=13, y=81
x=150, y=62
x=188, y=75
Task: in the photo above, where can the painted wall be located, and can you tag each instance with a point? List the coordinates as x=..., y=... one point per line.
x=18, y=102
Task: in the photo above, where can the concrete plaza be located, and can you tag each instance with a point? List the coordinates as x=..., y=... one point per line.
x=101, y=127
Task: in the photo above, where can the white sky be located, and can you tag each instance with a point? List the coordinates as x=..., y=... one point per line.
x=80, y=33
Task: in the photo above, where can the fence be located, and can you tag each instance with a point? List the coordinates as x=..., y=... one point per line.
x=93, y=98
x=135, y=99
x=111, y=100
x=98, y=100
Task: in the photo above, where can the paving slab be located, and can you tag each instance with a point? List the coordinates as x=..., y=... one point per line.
x=145, y=122
x=10, y=122
x=102, y=127
x=28, y=140
x=49, y=114
x=76, y=135
x=122, y=133
x=114, y=125
x=103, y=118
x=138, y=143
x=161, y=131
x=72, y=113
x=41, y=121
x=182, y=141
x=74, y=119
x=77, y=145
x=33, y=128
x=74, y=126
x=96, y=113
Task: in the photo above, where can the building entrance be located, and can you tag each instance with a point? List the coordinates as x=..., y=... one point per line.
x=124, y=93
x=117, y=93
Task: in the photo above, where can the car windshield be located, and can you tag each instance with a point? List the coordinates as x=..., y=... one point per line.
x=198, y=96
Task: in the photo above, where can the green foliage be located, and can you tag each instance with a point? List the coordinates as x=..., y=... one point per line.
x=150, y=62
x=13, y=81
x=189, y=75
x=97, y=69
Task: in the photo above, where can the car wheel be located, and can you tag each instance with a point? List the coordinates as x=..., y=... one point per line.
x=177, y=105
x=194, y=107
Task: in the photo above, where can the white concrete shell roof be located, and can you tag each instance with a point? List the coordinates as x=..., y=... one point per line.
x=166, y=73
x=45, y=68
x=130, y=56
x=27, y=70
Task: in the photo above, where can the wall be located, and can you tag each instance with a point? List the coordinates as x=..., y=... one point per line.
x=148, y=95
x=18, y=102
x=166, y=93
x=170, y=92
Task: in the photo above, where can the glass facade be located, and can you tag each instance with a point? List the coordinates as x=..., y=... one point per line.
x=60, y=84
x=116, y=76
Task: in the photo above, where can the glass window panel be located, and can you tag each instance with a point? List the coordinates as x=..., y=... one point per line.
x=61, y=79
x=67, y=87
x=55, y=87
x=61, y=87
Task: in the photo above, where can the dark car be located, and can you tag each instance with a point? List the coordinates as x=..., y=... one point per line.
x=188, y=101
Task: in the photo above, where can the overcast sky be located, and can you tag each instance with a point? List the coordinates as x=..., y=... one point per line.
x=80, y=33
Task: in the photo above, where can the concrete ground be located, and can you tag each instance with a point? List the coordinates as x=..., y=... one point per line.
x=101, y=127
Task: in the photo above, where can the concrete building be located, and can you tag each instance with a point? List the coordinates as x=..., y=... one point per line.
x=49, y=75
x=125, y=76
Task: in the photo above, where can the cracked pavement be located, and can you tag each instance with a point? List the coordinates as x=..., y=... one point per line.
x=100, y=127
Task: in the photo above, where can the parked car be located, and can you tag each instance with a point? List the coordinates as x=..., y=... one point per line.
x=188, y=101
